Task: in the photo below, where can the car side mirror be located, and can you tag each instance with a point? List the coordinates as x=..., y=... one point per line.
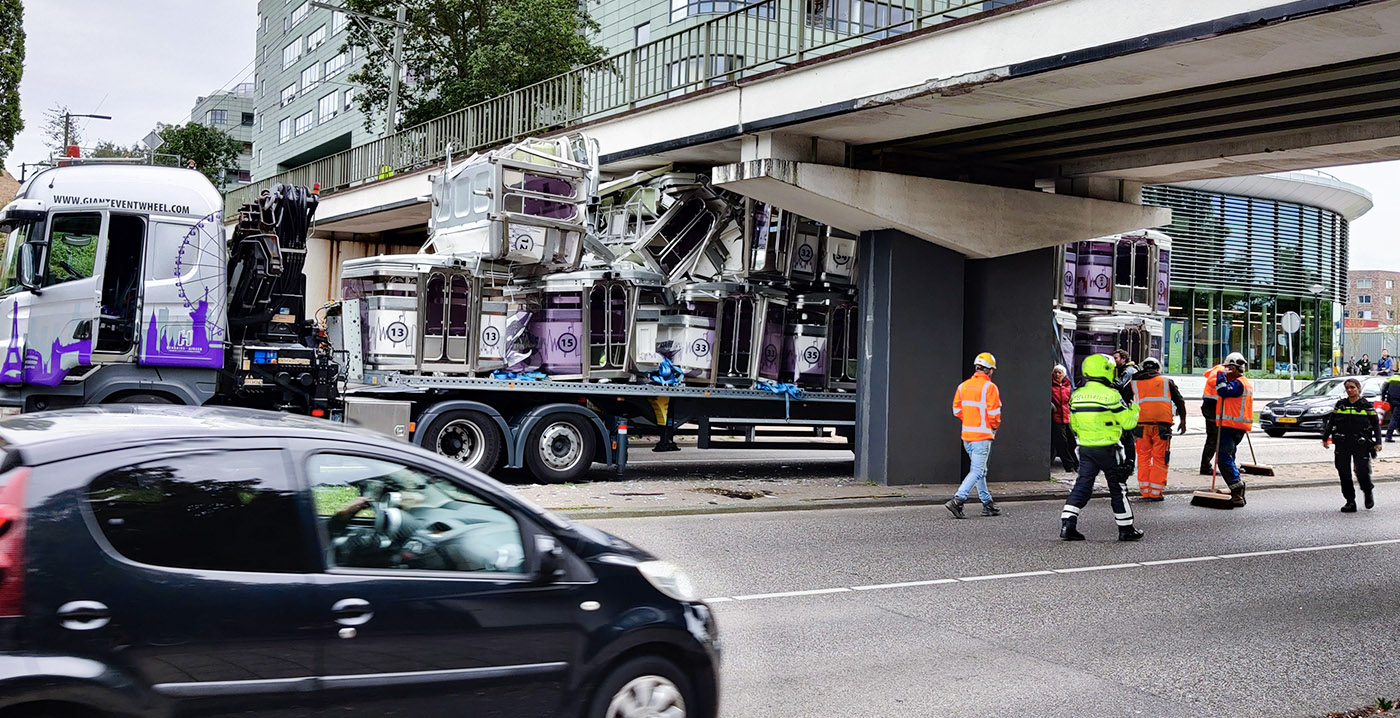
x=551, y=561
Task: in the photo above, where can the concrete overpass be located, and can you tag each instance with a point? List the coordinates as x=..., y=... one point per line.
x=938, y=144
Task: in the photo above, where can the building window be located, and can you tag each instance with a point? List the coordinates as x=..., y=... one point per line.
x=218, y=117
x=248, y=120
x=286, y=24
x=305, y=122
x=349, y=99
x=1390, y=284
x=284, y=129
x=316, y=38
x=334, y=65
x=1366, y=314
x=245, y=176
x=289, y=93
x=1363, y=299
x=329, y=107
x=291, y=53
x=338, y=21
x=1363, y=284
x=1388, y=300
x=310, y=76
x=691, y=71
x=641, y=34
x=299, y=14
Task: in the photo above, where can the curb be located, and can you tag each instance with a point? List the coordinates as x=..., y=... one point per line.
x=888, y=502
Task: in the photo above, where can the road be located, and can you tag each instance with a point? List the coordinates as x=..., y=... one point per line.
x=1275, y=609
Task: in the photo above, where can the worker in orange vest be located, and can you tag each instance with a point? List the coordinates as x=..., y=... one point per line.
x=1236, y=419
x=1209, y=408
x=977, y=404
x=1159, y=402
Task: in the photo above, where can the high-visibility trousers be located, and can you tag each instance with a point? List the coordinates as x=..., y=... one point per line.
x=1153, y=453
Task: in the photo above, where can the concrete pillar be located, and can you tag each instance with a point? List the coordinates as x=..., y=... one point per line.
x=911, y=295
x=1008, y=313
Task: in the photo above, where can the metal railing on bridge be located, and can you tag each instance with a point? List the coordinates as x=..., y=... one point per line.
x=746, y=41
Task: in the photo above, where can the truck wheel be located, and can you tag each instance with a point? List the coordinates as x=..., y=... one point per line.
x=142, y=399
x=560, y=448
x=469, y=437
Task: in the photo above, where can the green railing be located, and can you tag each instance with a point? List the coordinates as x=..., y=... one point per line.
x=752, y=39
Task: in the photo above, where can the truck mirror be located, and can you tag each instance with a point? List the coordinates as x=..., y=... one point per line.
x=28, y=278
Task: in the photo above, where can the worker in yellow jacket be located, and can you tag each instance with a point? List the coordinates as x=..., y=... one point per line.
x=977, y=404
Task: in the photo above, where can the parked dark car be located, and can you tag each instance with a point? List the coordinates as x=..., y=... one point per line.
x=186, y=561
x=1308, y=409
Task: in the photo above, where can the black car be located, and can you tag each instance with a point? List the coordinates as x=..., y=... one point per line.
x=1308, y=409
x=186, y=561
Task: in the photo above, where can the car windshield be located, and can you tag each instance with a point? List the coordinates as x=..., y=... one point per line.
x=1329, y=387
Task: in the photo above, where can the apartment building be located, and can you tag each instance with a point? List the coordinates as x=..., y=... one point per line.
x=305, y=108
x=234, y=112
x=1375, y=295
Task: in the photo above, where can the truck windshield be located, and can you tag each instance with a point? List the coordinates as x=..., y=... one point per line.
x=10, y=274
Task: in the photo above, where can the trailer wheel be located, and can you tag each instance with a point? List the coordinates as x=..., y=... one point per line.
x=560, y=448
x=469, y=437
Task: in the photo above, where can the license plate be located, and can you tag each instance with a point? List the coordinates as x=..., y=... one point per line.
x=1288, y=420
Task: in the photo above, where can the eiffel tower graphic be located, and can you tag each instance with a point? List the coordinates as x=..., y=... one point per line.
x=14, y=361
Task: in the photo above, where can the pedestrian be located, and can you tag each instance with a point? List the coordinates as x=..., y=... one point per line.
x=1125, y=371
x=1209, y=410
x=1351, y=365
x=1061, y=438
x=1391, y=396
x=1236, y=419
x=1099, y=418
x=977, y=404
x=1364, y=366
x=1385, y=365
x=1159, y=402
x=1356, y=429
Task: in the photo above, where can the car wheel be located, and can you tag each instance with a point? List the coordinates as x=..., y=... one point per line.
x=645, y=686
x=1276, y=433
x=560, y=448
x=470, y=438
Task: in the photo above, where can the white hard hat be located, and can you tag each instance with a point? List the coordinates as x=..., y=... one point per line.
x=1236, y=359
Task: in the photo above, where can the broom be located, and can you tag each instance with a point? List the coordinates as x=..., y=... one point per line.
x=1255, y=468
x=1210, y=498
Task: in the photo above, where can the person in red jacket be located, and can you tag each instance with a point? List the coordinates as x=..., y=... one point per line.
x=1061, y=438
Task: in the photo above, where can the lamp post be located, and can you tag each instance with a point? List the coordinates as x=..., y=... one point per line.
x=1317, y=290
x=399, y=23
x=68, y=118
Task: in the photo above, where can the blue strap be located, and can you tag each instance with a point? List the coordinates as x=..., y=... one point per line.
x=787, y=391
x=504, y=375
x=667, y=374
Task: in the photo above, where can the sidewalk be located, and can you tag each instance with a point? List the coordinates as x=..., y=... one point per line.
x=721, y=493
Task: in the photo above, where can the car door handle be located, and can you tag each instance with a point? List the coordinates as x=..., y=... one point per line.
x=352, y=612
x=83, y=615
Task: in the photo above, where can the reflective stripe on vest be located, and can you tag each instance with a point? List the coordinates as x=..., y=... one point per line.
x=1237, y=412
x=1209, y=391
x=980, y=429
x=1151, y=398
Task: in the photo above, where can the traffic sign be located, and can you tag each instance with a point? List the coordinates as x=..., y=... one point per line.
x=1292, y=322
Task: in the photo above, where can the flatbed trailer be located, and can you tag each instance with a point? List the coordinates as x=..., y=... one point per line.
x=557, y=429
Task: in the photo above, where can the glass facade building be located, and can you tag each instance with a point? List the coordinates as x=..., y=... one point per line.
x=1242, y=259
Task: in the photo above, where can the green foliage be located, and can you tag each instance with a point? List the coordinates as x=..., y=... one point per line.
x=461, y=52
x=54, y=120
x=11, y=71
x=108, y=149
x=211, y=149
x=1385, y=704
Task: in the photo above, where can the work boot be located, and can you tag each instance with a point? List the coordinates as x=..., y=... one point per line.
x=1349, y=507
x=1205, y=471
x=1370, y=500
x=990, y=509
x=1129, y=533
x=1068, y=532
x=954, y=507
x=1237, y=493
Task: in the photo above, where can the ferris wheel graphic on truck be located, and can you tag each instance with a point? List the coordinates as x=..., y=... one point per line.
x=186, y=326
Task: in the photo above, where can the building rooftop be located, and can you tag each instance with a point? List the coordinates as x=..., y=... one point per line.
x=1307, y=187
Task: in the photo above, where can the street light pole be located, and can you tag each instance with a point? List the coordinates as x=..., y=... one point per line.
x=1317, y=290
x=399, y=23
x=67, y=123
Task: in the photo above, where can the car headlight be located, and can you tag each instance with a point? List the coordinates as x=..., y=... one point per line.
x=1319, y=411
x=1268, y=412
x=669, y=579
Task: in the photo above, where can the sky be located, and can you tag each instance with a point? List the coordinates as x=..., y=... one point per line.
x=146, y=61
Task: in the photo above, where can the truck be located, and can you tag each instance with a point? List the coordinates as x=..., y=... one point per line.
x=550, y=316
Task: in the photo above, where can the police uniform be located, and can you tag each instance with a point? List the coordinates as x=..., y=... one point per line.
x=1355, y=429
x=1098, y=418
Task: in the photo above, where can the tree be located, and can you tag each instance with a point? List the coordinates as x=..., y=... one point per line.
x=107, y=148
x=11, y=70
x=56, y=121
x=212, y=150
x=460, y=52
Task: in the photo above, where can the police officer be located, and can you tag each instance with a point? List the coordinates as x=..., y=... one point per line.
x=1099, y=417
x=1356, y=429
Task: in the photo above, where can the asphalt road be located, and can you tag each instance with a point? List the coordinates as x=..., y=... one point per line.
x=1095, y=629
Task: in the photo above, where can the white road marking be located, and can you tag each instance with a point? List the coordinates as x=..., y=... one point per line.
x=1046, y=572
